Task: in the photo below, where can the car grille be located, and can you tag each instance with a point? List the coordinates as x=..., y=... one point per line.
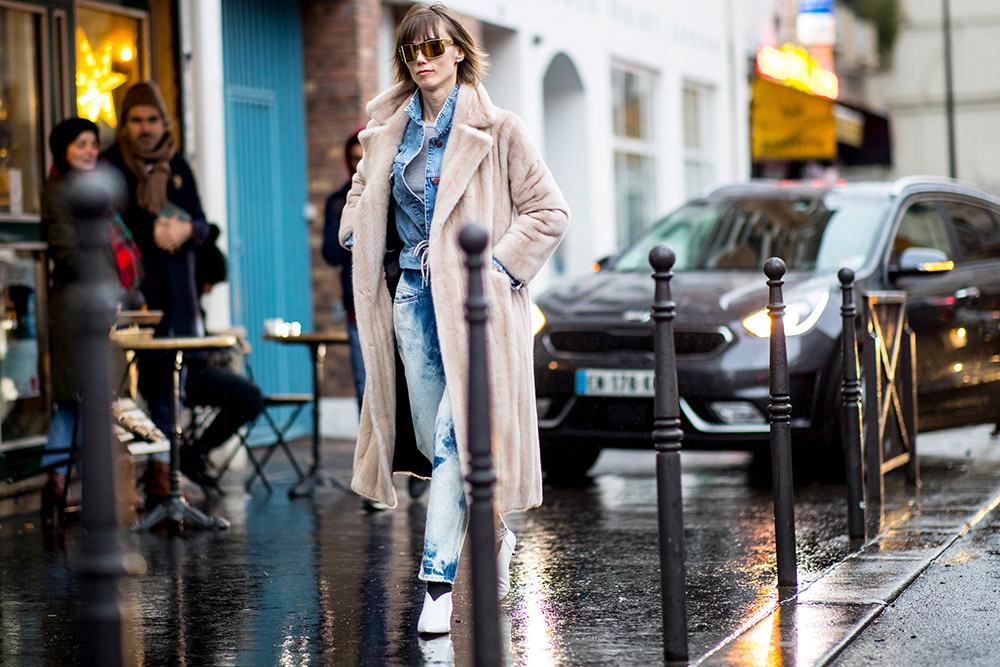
x=686, y=343
x=625, y=415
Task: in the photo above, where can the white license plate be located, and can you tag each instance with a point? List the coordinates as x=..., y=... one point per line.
x=607, y=382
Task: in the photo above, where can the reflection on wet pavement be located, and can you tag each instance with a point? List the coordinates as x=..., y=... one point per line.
x=320, y=581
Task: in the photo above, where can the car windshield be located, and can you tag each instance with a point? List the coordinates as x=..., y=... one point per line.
x=819, y=233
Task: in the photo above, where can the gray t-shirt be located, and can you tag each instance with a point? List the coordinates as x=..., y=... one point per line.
x=415, y=173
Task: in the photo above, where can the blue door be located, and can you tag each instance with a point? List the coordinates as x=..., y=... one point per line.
x=266, y=167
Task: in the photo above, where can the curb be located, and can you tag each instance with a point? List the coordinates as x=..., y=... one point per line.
x=821, y=619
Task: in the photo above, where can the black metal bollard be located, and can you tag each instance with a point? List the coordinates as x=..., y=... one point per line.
x=779, y=413
x=667, y=436
x=102, y=557
x=485, y=605
x=851, y=396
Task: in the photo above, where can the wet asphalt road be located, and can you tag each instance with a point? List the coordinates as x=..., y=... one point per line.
x=320, y=581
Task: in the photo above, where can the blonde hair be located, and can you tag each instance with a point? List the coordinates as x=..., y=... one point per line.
x=422, y=22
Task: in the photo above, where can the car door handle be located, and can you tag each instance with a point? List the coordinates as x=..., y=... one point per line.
x=967, y=293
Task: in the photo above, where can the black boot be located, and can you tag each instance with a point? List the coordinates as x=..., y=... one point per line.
x=157, y=484
x=194, y=466
x=53, y=501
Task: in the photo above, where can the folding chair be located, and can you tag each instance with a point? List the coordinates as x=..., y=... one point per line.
x=297, y=403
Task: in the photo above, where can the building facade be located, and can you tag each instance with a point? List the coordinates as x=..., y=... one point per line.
x=634, y=104
x=914, y=90
x=58, y=59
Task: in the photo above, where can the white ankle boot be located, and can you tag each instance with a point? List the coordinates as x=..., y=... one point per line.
x=435, y=617
x=503, y=563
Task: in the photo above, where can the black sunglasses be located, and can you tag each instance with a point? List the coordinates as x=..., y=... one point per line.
x=432, y=48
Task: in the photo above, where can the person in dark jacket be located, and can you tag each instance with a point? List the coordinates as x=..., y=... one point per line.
x=337, y=255
x=165, y=216
x=74, y=145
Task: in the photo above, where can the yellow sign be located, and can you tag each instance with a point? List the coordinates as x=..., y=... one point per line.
x=786, y=124
x=793, y=66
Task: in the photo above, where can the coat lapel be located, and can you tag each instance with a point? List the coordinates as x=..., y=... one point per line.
x=380, y=142
x=467, y=146
x=380, y=139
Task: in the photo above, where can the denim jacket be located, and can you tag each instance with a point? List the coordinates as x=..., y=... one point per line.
x=413, y=214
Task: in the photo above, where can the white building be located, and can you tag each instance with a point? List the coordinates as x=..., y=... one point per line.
x=913, y=90
x=634, y=104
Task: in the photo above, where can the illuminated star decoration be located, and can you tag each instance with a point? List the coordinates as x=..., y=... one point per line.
x=95, y=80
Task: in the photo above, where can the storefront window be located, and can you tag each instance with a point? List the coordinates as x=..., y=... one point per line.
x=108, y=61
x=20, y=113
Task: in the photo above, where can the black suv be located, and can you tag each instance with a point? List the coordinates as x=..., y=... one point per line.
x=936, y=239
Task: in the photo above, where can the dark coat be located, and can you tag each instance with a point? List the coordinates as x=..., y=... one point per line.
x=334, y=253
x=62, y=231
x=169, y=284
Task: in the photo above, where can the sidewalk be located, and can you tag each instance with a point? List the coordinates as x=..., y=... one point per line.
x=320, y=581
x=927, y=576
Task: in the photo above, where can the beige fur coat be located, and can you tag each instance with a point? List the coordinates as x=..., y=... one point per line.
x=491, y=174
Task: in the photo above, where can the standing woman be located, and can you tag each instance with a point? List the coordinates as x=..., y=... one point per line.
x=437, y=156
x=75, y=149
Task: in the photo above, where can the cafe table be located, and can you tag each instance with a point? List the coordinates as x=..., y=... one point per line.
x=175, y=509
x=317, y=342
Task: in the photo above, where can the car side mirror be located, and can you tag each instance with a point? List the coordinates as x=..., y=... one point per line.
x=921, y=261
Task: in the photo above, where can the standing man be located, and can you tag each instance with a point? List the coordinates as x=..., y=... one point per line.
x=336, y=255
x=165, y=216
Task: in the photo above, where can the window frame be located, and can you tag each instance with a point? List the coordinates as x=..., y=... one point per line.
x=143, y=42
x=702, y=156
x=44, y=111
x=962, y=256
x=642, y=147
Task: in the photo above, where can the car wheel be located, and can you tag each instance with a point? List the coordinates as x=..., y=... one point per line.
x=567, y=462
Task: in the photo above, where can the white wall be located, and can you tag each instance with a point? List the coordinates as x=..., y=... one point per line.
x=914, y=91
x=703, y=42
x=205, y=127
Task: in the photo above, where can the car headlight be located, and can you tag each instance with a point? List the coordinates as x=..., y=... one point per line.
x=537, y=319
x=800, y=316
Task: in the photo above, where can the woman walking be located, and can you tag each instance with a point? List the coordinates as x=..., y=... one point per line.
x=437, y=156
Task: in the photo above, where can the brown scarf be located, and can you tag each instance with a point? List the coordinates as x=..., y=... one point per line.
x=151, y=192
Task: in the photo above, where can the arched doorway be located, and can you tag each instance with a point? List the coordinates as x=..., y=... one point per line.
x=566, y=153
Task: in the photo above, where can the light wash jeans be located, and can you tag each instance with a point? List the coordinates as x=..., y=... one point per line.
x=447, y=511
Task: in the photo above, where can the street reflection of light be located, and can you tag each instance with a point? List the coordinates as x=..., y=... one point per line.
x=753, y=637
x=295, y=651
x=535, y=625
x=981, y=514
x=536, y=630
